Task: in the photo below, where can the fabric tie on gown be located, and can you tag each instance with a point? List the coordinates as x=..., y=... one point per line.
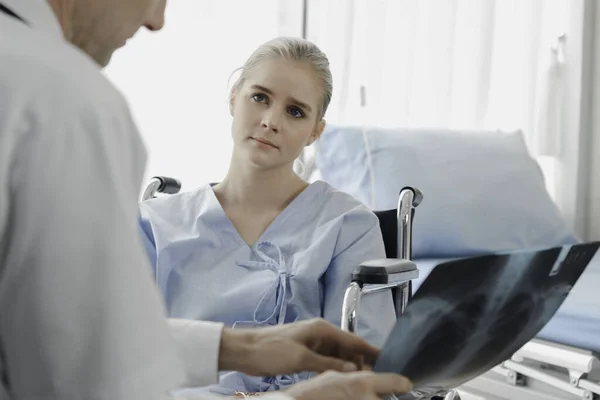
x=277, y=293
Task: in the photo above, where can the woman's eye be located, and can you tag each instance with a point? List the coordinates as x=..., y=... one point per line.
x=259, y=98
x=296, y=112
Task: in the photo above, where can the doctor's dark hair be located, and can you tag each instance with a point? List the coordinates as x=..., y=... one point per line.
x=294, y=49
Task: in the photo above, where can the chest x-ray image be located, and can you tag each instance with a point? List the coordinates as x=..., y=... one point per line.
x=469, y=315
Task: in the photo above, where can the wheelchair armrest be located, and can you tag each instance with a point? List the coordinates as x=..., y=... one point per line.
x=379, y=272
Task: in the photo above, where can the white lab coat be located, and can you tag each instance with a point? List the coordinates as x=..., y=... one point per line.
x=80, y=317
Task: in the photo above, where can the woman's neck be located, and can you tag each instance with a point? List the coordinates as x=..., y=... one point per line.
x=255, y=189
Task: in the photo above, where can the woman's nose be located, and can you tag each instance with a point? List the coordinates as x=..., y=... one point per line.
x=271, y=121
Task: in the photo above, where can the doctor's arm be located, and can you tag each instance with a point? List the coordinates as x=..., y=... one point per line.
x=359, y=240
x=310, y=345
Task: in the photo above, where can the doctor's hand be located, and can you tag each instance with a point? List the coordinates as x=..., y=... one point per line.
x=313, y=345
x=362, y=385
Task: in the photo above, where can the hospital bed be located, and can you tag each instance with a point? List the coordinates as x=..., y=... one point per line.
x=563, y=362
x=485, y=193
x=394, y=273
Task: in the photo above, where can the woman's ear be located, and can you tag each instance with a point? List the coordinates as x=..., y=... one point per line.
x=231, y=101
x=319, y=128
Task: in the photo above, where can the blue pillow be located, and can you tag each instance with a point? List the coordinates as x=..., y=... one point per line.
x=483, y=192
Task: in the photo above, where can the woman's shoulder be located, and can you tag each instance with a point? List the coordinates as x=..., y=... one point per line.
x=337, y=199
x=337, y=205
x=350, y=222
x=177, y=207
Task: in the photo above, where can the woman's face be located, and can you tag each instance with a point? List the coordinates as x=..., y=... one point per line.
x=276, y=112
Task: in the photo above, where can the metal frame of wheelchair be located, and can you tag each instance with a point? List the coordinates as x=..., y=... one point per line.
x=393, y=273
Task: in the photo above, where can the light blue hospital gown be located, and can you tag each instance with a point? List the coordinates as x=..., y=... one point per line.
x=298, y=269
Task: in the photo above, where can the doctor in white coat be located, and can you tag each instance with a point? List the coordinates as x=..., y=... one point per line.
x=80, y=317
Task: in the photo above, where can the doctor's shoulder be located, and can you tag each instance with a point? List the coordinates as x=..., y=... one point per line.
x=59, y=82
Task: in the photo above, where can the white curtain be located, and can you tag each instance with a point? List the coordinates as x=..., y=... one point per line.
x=463, y=64
x=437, y=63
x=474, y=64
x=177, y=80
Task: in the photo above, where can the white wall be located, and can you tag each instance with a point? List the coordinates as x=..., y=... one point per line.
x=593, y=206
x=578, y=191
x=178, y=91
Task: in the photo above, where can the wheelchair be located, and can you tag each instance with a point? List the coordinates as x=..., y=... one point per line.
x=394, y=273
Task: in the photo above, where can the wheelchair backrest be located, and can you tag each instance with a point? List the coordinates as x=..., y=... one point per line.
x=388, y=224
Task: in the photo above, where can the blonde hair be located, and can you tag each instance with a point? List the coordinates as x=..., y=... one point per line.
x=295, y=49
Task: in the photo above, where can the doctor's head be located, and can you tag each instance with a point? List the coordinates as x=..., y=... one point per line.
x=99, y=27
x=279, y=102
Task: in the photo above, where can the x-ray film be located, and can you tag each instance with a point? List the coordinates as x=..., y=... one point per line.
x=471, y=314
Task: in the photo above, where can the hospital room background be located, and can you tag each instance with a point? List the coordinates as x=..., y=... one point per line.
x=491, y=108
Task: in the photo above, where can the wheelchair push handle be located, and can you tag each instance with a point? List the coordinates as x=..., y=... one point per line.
x=408, y=200
x=169, y=185
x=417, y=195
x=161, y=184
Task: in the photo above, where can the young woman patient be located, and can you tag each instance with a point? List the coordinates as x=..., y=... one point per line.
x=263, y=246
